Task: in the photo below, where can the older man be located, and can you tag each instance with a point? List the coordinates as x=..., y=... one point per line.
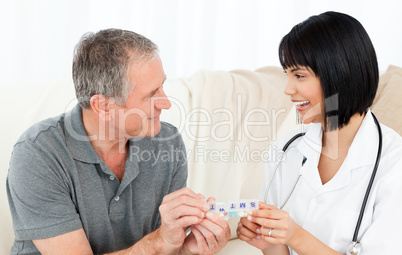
x=90, y=181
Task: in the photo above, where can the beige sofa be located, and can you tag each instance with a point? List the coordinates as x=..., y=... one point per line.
x=228, y=120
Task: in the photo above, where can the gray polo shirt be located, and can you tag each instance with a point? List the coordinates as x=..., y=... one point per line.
x=57, y=183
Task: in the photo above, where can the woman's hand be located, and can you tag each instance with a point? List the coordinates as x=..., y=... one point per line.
x=276, y=226
x=247, y=231
x=273, y=231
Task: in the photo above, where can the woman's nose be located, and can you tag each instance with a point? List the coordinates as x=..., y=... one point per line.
x=290, y=88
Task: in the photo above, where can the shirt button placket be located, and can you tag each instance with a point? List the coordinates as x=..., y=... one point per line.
x=117, y=198
x=112, y=178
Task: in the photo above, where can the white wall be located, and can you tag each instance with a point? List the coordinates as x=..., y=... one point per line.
x=38, y=36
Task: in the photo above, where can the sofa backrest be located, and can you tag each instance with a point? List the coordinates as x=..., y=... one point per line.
x=388, y=102
x=227, y=119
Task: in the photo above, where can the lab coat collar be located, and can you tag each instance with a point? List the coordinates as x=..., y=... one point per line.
x=311, y=143
x=310, y=147
x=362, y=152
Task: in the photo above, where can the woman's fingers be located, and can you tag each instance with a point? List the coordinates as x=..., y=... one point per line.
x=263, y=206
x=246, y=233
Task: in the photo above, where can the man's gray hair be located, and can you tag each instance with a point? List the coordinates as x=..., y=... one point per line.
x=101, y=63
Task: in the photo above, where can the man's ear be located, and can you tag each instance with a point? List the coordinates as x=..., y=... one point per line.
x=100, y=105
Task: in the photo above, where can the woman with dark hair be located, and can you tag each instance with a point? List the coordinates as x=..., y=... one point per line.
x=340, y=178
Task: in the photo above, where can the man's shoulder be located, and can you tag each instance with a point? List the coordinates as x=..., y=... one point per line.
x=44, y=130
x=39, y=146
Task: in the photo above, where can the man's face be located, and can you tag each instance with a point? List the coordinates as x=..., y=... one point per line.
x=140, y=116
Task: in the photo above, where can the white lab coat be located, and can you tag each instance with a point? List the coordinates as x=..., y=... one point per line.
x=330, y=211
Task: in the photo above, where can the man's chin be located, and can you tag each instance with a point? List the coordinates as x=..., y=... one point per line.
x=153, y=132
x=153, y=129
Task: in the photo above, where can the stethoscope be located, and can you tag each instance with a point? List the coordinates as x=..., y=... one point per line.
x=354, y=247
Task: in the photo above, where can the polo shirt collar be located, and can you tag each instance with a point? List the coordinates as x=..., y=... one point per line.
x=77, y=139
x=142, y=148
x=82, y=150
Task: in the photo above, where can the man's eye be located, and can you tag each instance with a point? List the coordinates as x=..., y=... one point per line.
x=299, y=76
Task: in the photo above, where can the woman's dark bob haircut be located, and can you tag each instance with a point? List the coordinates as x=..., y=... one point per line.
x=338, y=50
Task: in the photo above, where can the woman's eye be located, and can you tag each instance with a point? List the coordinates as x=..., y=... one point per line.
x=299, y=76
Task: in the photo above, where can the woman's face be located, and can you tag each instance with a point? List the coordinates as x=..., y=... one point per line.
x=305, y=91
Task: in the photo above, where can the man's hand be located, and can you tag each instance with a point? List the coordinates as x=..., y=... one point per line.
x=209, y=236
x=180, y=210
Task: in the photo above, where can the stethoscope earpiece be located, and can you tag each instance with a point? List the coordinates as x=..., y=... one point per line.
x=354, y=248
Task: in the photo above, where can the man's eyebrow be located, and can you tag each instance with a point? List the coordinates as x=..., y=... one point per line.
x=153, y=92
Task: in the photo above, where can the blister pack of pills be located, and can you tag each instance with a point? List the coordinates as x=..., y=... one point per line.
x=235, y=208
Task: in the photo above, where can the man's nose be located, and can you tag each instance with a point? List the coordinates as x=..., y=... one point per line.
x=161, y=101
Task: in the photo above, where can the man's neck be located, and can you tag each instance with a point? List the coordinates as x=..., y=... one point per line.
x=107, y=144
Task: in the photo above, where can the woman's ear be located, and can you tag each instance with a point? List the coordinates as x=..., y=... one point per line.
x=100, y=105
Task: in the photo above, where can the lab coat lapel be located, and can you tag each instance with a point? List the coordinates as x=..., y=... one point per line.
x=362, y=153
x=310, y=147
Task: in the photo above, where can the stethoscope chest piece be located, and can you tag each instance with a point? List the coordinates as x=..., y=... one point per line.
x=354, y=248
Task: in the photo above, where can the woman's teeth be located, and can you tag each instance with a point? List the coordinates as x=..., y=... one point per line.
x=301, y=103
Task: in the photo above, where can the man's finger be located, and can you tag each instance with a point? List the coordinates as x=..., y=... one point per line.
x=183, y=200
x=183, y=191
x=210, y=237
x=221, y=232
x=221, y=222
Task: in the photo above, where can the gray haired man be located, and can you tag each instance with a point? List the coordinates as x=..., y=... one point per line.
x=88, y=181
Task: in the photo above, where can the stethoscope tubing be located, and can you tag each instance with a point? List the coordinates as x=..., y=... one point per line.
x=284, y=148
x=370, y=184
x=377, y=162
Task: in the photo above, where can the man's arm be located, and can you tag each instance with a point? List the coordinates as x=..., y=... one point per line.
x=179, y=210
x=74, y=242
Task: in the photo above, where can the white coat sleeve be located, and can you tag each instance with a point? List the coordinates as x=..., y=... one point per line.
x=385, y=233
